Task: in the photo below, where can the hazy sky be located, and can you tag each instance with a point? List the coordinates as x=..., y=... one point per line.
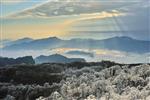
x=66, y=19
x=12, y=6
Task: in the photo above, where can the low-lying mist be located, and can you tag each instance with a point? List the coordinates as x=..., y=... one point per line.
x=90, y=55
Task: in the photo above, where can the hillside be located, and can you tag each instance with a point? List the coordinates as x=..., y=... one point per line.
x=56, y=58
x=80, y=81
x=4, y=61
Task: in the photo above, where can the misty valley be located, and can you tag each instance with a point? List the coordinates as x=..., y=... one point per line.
x=74, y=50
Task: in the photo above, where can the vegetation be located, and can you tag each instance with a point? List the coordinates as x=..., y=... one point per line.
x=11, y=61
x=78, y=81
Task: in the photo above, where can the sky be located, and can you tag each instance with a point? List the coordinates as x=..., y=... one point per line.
x=12, y=6
x=66, y=19
x=97, y=19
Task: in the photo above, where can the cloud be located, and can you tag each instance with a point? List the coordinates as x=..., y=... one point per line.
x=129, y=17
x=99, y=54
x=11, y=1
x=134, y=23
x=67, y=7
x=55, y=8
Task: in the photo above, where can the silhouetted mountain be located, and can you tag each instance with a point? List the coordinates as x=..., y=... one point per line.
x=126, y=44
x=57, y=58
x=36, y=44
x=23, y=40
x=11, y=61
x=19, y=41
x=82, y=53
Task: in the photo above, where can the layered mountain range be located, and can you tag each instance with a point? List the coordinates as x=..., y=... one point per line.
x=55, y=58
x=123, y=43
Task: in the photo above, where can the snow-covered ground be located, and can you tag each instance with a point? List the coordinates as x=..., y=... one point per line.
x=114, y=83
x=76, y=81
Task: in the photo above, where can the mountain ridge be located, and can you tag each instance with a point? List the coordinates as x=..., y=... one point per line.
x=123, y=43
x=5, y=61
x=56, y=58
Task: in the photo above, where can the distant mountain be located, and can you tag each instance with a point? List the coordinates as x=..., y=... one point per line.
x=22, y=40
x=82, y=53
x=36, y=44
x=3, y=42
x=19, y=41
x=11, y=61
x=57, y=58
x=126, y=44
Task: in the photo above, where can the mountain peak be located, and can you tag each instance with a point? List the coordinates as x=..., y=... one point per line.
x=56, y=58
x=53, y=55
x=26, y=38
x=125, y=37
x=55, y=38
x=122, y=43
x=120, y=38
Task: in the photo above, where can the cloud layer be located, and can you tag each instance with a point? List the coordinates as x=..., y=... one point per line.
x=82, y=19
x=11, y=1
x=69, y=7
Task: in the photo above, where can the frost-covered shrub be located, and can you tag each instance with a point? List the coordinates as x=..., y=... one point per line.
x=114, y=83
x=118, y=82
x=28, y=92
x=9, y=97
